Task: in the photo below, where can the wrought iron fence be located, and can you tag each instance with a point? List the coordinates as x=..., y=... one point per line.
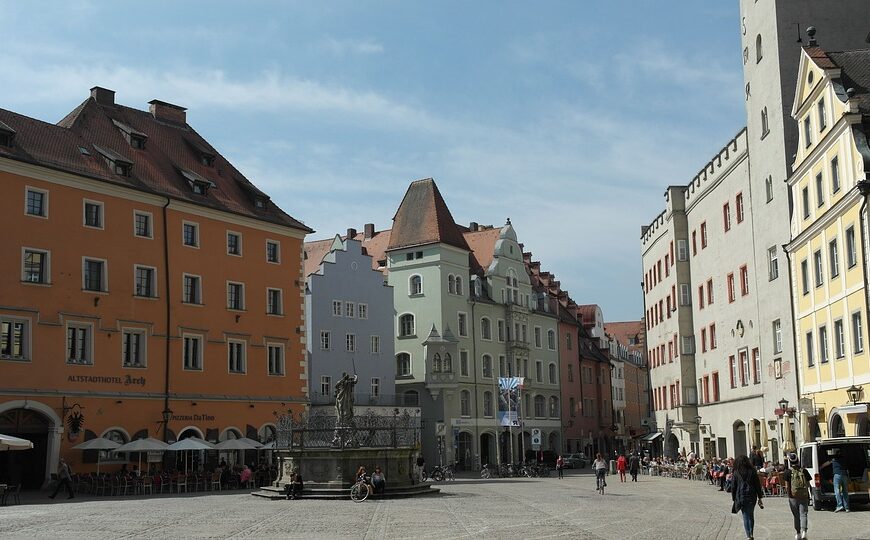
x=368, y=430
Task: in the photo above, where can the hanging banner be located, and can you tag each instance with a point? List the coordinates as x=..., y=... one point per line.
x=509, y=400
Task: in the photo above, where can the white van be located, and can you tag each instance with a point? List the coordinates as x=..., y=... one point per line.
x=854, y=454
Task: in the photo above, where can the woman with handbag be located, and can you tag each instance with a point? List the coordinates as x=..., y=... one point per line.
x=746, y=491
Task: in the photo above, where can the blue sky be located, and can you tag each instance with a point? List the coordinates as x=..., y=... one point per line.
x=570, y=117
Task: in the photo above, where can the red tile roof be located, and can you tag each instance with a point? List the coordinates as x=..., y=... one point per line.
x=482, y=244
x=72, y=146
x=625, y=331
x=423, y=218
x=375, y=247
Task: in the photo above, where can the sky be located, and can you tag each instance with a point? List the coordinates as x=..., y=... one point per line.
x=568, y=117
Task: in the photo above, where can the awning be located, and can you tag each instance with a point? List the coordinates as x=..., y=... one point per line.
x=651, y=436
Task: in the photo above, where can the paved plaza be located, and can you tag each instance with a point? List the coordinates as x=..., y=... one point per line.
x=654, y=508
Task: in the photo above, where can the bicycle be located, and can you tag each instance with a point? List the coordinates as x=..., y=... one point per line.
x=448, y=473
x=359, y=491
x=484, y=472
x=599, y=479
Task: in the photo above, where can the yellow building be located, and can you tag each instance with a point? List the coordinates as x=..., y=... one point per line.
x=828, y=261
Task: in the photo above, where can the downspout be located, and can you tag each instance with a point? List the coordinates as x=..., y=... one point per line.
x=168, y=304
x=474, y=369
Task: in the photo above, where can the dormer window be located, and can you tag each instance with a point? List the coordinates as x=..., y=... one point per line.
x=7, y=135
x=119, y=164
x=137, y=142
x=207, y=160
x=135, y=138
x=199, y=184
x=204, y=154
x=261, y=203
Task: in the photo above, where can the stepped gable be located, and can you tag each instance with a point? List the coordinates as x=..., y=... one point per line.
x=375, y=247
x=423, y=218
x=173, y=158
x=314, y=254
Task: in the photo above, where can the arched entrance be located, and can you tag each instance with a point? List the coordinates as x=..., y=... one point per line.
x=739, y=432
x=815, y=430
x=27, y=467
x=863, y=426
x=487, y=449
x=464, y=451
x=232, y=457
x=837, y=429
x=672, y=446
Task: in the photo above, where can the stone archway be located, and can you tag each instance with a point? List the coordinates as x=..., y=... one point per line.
x=739, y=438
x=464, y=451
x=836, y=428
x=487, y=449
x=38, y=423
x=672, y=446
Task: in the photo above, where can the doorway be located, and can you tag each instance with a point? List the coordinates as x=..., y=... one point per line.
x=28, y=467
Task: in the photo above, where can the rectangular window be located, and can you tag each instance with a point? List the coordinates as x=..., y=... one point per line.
x=35, y=266
x=835, y=174
x=325, y=385
x=539, y=371
x=236, y=356
x=336, y=308
x=833, y=258
x=142, y=225
x=190, y=234
x=235, y=296
x=192, y=291
x=538, y=342
x=739, y=207
x=14, y=339
x=133, y=344
x=744, y=367
x=501, y=330
x=756, y=366
x=349, y=309
x=234, y=243
x=709, y=291
x=376, y=387
x=701, y=297
x=362, y=311
x=768, y=188
x=324, y=340
x=144, y=276
x=715, y=386
x=273, y=252
x=823, y=344
x=730, y=282
x=726, y=216
x=193, y=352
x=805, y=198
x=703, y=340
x=685, y=295
x=744, y=280
x=808, y=133
x=805, y=276
x=93, y=214
x=713, y=336
x=36, y=202
x=777, y=336
x=350, y=342
x=703, y=235
x=820, y=190
x=274, y=302
x=772, y=263
x=811, y=361
x=839, y=339
x=94, y=275
x=857, y=336
x=851, y=247
x=78, y=344
x=823, y=121
x=732, y=369
x=817, y=267
x=463, y=363
x=682, y=250
x=375, y=344
x=276, y=359
x=463, y=324
x=694, y=243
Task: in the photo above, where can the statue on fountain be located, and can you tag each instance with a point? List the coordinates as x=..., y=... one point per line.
x=344, y=428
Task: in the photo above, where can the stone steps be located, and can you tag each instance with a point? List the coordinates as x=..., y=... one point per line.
x=277, y=493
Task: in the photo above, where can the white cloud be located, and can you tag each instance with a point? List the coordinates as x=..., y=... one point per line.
x=341, y=47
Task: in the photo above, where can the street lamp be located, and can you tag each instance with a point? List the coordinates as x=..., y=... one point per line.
x=783, y=405
x=854, y=392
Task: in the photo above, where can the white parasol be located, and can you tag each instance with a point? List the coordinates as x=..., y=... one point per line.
x=191, y=443
x=100, y=443
x=8, y=442
x=142, y=445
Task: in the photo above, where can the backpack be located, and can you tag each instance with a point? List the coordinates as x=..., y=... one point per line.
x=799, y=484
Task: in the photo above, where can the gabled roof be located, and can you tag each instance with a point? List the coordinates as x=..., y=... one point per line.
x=625, y=330
x=374, y=247
x=482, y=244
x=423, y=218
x=854, y=69
x=92, y=130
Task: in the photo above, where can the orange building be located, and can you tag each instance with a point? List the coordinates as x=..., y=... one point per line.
x=147, y=288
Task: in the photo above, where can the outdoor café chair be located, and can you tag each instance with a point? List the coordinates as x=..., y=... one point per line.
x=147, y=485
x=181, y=482
x=216, y=481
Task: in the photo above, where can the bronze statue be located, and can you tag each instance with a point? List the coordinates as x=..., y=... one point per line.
x=344, y=432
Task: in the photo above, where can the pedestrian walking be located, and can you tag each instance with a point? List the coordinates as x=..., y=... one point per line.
x=421, y=465
x=560, y=464
x=745, y=493
x=841, y=480
x=797, y=483
x=64, y=479
x=634, y=466
x=621, y=464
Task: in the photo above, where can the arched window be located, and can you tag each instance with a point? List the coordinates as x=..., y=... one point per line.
x=759, y=53
x=447, y=366
x=436, y=363
x=551, y=340
x=487, y=403
x=552, y=373
x=415, y=285
x=464, y=403
x=554, y=407
x=485, y=328
x=486, y=365
x=512, y=286
x=459, y=285
x=403, y=364
x=119, y=437
x=451, y=284
x=411, y=398
x=540, y=404
x=406, y=325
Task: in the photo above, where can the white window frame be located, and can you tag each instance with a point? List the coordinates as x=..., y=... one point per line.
x=362, y=311
x=339, y=312
x=772, y=263
x=551, y=339
x=89, y=327
x=685, y=295
x=350, y=310
x=46, y=270
x=462, y=323
x=834, y=257
x=240, y=245
x=463, y=363
x=839, y=339
x=464, y=403
x=399, y=323
x=777, y=336
x=375, y=388
x=241, y=296
x=325, y=340
x=153, y=294
x=539, y=371
x=199, y=364
x=411, y=285
x=25, y=338
x=500, y=330
x=682, y=250
x=539, y=337
x=552, y=373
x=104, y=286
x=195, y=225
x=404, y=372
x=486, y=336
x=857, y=332
x=277, y=245
x=375, y=344
x=350, y=342
x=143, y=347
x=325, y=384
x=280, y=312
x=281, y=364
x=199, y=301
x=243, y=359
x=101, y=206
x=483, y=369
x=150, y=216
x=44, y=193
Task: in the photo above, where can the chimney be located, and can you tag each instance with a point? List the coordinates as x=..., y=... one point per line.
x=167, y=112
x=103, y=96
x=369, y=230
x=351, y=234
x=473, y=226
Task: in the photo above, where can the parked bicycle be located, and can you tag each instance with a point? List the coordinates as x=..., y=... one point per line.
x=359, y=491
x=439, y=473
x=484, y=471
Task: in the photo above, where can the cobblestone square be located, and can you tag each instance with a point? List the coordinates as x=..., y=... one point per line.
x=653, y=508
